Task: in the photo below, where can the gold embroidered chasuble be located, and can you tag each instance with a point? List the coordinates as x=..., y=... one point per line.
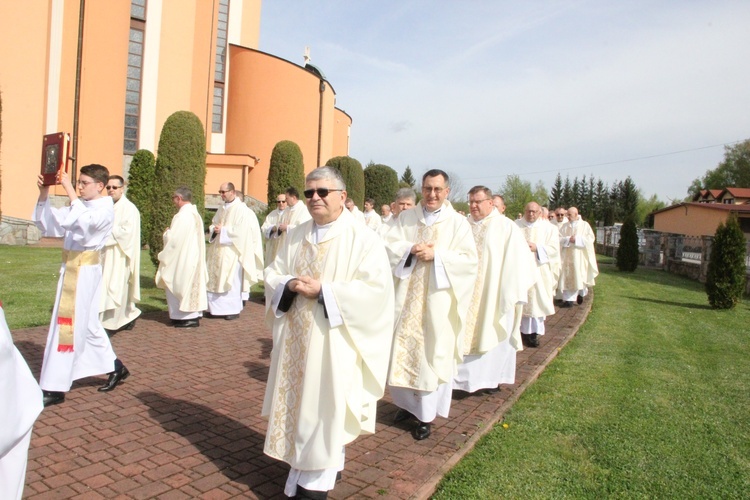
x=506, y=273
x=182, y=262
x=579, y=267
x=240, y=225
x=540, y=298
x=292, y=217
x=324, y=382
x=428, y=340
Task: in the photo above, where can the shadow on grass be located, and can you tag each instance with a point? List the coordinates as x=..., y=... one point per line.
x=686, y=305
x=235, y=449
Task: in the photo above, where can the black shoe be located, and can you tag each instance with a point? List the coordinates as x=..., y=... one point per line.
x=402, y=415
x=115, y=378
x=422, y=431
x=567, y=304
x=230, y=317
x=52, y=398
x=312, y=494
x=186, y=323
x=579, y=299
x=525, y=339
x=129, y=326
x=532, y=340
x=492, y=390
x=110, y=332
x=338, y=476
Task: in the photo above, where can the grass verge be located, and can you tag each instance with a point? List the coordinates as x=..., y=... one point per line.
x=651, y=399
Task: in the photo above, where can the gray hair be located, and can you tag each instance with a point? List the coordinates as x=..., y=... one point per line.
x=329, y=174
x=185, y=193
x=406, y=193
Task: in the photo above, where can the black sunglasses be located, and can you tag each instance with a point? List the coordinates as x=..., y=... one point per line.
x=322, y=192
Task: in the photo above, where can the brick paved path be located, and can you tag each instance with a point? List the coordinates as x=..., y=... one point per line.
x=187, y=423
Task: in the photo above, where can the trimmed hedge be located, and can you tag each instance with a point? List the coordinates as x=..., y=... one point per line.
x=142, y=188
x=627, y=250
x=725, y=280
x=181, y=161
x=354, y=177
x=286, y=168
x=381, y=184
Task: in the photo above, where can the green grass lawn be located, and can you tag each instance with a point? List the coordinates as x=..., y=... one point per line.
x=650, y=400
x=28, y=280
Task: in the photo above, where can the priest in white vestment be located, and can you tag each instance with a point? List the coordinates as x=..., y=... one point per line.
x=269, y=228
x=579, y=267
x=326, y=290
x=21, y=400
x=122, y=262
x=234, y=257
x=182, y=270
x=293, y=215
x=405, y=199
x=352, y=207
x=434, y=261
x=505, y=274
x=544, y=244
x=386, y=213
x=77, y=344
x=372, y=219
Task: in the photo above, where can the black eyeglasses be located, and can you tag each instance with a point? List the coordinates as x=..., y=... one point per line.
x=322, y=192
x=114, y=187
x=227, y=191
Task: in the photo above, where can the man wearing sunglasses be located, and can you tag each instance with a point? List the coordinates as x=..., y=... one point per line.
x=269, y=227
x=328, y=293
x=294, y=214
x=122, y=262
x=434, y=261
x=234, y=257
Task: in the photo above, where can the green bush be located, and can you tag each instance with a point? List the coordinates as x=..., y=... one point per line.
x=285, y=169
x=1, y=143
x=627, y=250
x=142, y=187
x=381, y=184
x=725, y=281
x=354, y=177
x=181, y=161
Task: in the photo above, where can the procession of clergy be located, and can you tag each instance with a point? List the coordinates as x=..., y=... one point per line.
x=467, y=293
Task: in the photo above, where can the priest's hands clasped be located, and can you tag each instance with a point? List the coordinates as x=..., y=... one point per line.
x=424, y=251
x=306, y=286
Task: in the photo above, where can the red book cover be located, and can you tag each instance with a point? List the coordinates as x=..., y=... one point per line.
x=55, y=153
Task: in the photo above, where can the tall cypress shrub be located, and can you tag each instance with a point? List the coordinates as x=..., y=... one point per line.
x=354, y=177
x=180, y=161
x=286, y=168
x=725, y=281
x=627, y=250
x=142, y=188
x=381, y=184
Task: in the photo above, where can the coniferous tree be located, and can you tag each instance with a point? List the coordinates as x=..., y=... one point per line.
x=286, y=169
x=725, y=281
x=181, y=161
x=627, y=250
x=354, y=177
x=567, y=193
x=629, y=197
x=142, y=185
x=381, y=184
x=555, y=195
x=601, y=195
x=408, y=178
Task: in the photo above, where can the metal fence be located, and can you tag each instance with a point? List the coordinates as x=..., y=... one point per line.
x=679, y=254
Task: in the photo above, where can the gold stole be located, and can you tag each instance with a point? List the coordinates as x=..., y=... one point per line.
x=408, y=348
x=214, y=255
x=290, y=375
x=66, y=311
x=529, y=232
x=471, y=335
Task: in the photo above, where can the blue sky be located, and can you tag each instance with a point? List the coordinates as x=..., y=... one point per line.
x=486, y=88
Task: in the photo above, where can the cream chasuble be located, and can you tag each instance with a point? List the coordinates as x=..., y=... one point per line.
x=579, y=267
x=21, y=405
x=292, y=217
x=430, y=315
x=324, y=381
x=540, y=302
x=121, y=267
x=239, y=241
x=272, y=220
x=182, y=262
x=505, y=275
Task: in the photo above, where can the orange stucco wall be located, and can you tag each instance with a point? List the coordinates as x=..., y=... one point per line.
x=691, y=220
x=273, y=100
x=342, y=126
x=23, y=84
